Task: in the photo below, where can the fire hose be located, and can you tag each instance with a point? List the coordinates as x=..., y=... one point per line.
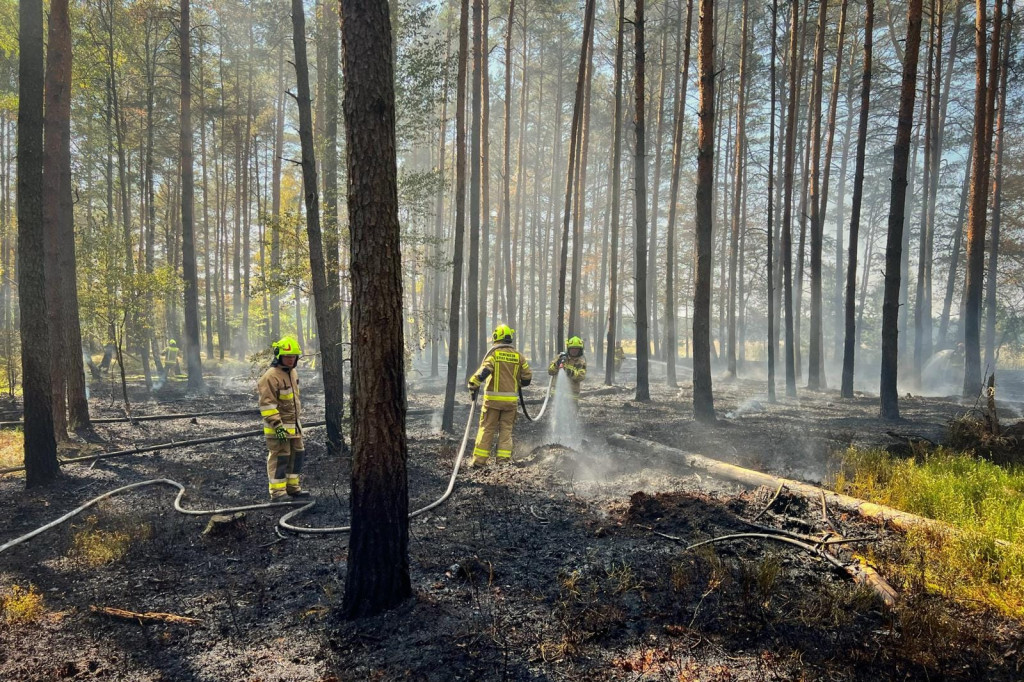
x=283, y=522
x=543, y=407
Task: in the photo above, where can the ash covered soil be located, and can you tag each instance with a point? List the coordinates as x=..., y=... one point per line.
x=553, y=568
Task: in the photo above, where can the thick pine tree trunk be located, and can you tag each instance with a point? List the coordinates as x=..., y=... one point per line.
x=40, y=445
x=703, y=399
x=378, y=557
x=850, y=336
x=889, y=395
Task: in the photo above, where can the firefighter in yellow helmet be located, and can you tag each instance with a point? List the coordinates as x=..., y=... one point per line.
x=501, y=373
x=619, y=356
x=574, y=364
x=171, y=358
x=279, y=404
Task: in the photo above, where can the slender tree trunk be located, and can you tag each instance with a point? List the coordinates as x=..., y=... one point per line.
x=671, y=341
x=643, y=347
x=814, y=378
x=997, y=199
x=787, y=201
x=328, y=305
x=922, y=300
x=888, y=392
x=858, y=194
x=572, y=172
x=506, y=206
x=826, y=175
x=207, y=308
x=772, y=342
x=59, y=213
x=616, y=171
x=983, y=123
x=188, y=251
x=448, y=413
x=40, y=445
x=275, y=202
x=703, y=399
x=377, y=577
x=473, y=304
x=485, y=185
x=734, y=242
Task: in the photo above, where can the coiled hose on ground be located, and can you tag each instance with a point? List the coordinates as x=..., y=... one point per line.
x=283, y=522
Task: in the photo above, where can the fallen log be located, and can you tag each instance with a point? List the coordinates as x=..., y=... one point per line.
x=148, y=617
x=895, y=518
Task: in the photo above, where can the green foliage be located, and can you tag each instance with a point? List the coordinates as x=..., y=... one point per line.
x=983, y=559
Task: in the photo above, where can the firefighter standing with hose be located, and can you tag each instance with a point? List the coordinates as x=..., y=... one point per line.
x=279, y=404
x=170, y=358
x=575, y=366
x=502, y=372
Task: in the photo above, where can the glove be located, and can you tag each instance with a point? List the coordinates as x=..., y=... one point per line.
x=281, y=432
x=472, y=391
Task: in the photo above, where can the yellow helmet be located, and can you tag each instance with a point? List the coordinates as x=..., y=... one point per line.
x=288, y=345
x=503, y=332
x=172, y=342
x=574, y=342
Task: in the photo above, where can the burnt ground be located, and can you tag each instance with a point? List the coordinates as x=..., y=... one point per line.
x=549, y=569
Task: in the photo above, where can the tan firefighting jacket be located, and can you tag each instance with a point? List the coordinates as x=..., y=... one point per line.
x=507, y=369
x=575, y=369
x=279, y=401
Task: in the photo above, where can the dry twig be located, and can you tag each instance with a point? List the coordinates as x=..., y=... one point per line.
x=148, y=617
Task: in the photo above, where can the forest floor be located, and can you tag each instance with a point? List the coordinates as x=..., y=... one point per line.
x=548, y=569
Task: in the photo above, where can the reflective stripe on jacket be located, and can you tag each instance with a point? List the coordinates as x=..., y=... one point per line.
x=279, y=401
x=507, y=369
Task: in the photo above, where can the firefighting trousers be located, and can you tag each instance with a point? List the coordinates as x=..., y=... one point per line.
x=284, y=464
x=495, y=421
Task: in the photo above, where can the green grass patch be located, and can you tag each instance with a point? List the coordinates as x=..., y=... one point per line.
x=982, y=501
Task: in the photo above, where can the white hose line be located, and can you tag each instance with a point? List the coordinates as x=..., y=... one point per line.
x=544, y=406
x=155, y=481
x=283, y=522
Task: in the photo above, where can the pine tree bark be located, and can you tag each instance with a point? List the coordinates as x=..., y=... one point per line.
x=275, y=202
x=643, y=347
x=888, y=392
x=378, y=560
x=615, y=189
x=814, y=378
x=473, y=304
x=40, y=445
x=188, y=251
x=850, y=336
x=67, y=338
x=703, y=400
x=923, y=293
